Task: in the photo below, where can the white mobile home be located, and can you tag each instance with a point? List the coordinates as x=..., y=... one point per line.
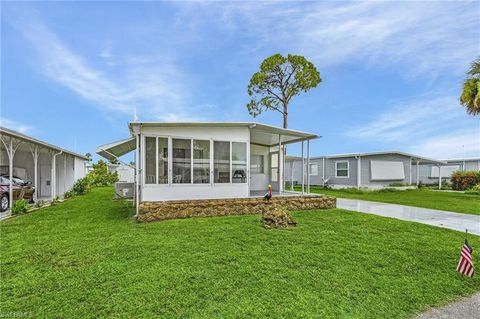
x=369, y=170
x=429, y=173
x=51, y=169
x=183, y=161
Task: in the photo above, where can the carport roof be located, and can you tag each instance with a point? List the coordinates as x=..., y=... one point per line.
x=26, y=138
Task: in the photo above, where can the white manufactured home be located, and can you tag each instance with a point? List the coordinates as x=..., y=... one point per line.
x=429, y=174
x=51, y=169
x=369, y=170
x=183, y=161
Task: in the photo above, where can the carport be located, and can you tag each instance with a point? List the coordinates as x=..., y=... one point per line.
x=52, y=170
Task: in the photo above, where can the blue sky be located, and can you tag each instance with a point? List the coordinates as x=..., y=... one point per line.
x=73, y=73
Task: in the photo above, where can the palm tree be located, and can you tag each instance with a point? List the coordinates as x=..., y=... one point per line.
x=470, y=97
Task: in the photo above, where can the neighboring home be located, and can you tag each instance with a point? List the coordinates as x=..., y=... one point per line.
x=369, y=170
x=176, y=161
x=51, y=169
x=126, y=173
x=429, y=173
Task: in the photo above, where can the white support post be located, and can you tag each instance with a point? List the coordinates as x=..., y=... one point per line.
x=303, y=172
x=137, y=175
x=439, y=176
x=34, y=151
x=292, y=165
x=410, y=179
x=280, y=165
x=54, y=174
x=11, y=148
x=64, y=173
x=359, y=172
x=418, y=173
x=308, y=166
x=323, y=171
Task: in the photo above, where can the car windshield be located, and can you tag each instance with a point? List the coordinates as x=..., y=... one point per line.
x=17, y=180
x=4, y=180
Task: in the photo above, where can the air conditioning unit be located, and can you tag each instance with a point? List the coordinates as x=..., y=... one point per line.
x=124, y=190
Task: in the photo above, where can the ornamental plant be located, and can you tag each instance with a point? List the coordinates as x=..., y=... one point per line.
x=462, y=181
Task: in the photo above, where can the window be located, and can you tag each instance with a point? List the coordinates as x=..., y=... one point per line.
x=256, y=164
x=150, y=160
x=239, y=162
x=162, y=160
x=341, y=169
x=221, y=162
x=201, y=162
x=314, y=169
x=181, y=161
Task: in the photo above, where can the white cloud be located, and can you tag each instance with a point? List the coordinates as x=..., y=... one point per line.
x=435, y=127
x=151, y=84
x=15, y=125
x=457, y=144
x=430, y=37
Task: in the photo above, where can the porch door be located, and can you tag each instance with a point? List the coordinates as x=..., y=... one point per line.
x=45, y=180
x=274, y=176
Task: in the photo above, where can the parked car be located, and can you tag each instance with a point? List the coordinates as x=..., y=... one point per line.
x=21, y=190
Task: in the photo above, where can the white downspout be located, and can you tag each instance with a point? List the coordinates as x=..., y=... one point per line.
x=410, y=178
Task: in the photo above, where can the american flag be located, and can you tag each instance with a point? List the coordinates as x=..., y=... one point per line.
x=465, y=265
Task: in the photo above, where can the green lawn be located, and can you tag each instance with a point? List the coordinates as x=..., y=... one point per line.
x=455, y=202
x=87, y=258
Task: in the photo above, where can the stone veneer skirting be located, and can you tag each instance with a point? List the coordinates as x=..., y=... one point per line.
x=162, y=210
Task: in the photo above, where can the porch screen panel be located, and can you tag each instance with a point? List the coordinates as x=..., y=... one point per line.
x=150, y=160
x=181, y=161
x=163, y=160
x=221, y=162
x=239, y=162
x=201, y=162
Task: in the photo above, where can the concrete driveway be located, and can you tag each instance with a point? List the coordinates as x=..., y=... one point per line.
x=439, y=218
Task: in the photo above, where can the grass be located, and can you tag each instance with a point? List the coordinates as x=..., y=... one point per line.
x=449, y=201
x=87, y=258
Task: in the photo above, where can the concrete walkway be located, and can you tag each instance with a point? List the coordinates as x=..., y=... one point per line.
x=439, y=218
x=467, y=308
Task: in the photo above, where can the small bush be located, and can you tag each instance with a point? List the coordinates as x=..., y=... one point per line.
x=275, y=217
x=100, y=176
x=462, y=181
x=475, y=190
x=81, y=186
x=19, y=207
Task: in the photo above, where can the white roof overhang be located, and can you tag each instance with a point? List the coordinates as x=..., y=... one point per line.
x=116, y=149
x=260, y=134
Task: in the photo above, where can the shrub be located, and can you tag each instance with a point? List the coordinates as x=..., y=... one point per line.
x=462, y=181
x=19, y=207
x=475, y=190
x=81, y=186
x=100, y=176
x=275, y=217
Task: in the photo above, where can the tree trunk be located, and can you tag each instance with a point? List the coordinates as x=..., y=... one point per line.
x=285, y=116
